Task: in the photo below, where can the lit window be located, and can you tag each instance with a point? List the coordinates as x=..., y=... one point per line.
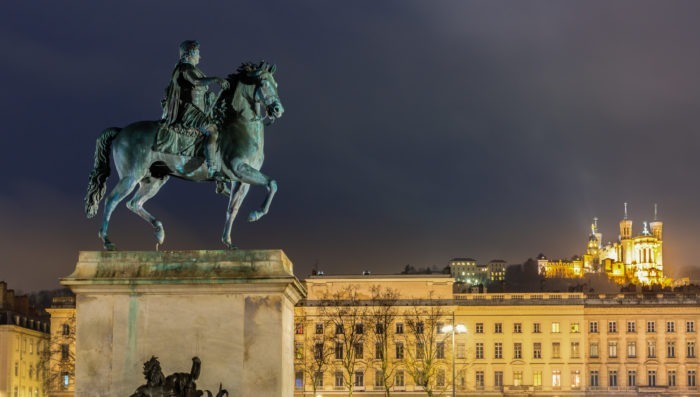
x=575, y=351
x=555, y=328
x=556, y=350
x=298, y=351
x=299, y=379
x=575, y=379
x=632, y=349
x=556, y=378
x=612, y=349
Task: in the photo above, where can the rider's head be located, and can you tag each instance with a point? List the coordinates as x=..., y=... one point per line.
x=189, y=51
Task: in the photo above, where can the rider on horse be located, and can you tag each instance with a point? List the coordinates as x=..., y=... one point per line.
x=185, y=104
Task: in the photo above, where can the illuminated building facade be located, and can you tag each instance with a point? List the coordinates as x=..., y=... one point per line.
x=61, y=351
x=636, y=259
x=466, y=270
x=23, y=338
x=517, y=344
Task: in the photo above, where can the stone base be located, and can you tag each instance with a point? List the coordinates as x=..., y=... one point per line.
x=232, y=309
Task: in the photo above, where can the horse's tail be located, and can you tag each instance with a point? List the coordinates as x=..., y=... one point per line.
x=98, y=177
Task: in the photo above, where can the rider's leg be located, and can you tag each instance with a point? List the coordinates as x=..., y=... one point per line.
x=211, y=134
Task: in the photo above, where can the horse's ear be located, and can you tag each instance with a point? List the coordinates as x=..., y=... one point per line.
x=273, y=69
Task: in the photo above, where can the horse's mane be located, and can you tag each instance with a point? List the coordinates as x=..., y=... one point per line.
x=232, y=99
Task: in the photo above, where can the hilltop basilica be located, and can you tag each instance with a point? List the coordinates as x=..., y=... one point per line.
x=636, y=259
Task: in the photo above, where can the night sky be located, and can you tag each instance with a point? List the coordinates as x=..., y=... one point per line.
x=414, y=131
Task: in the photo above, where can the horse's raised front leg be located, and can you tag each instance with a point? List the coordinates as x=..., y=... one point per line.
x=250, y=175
x=148, y=188
x=238, y=193
x=125, y=186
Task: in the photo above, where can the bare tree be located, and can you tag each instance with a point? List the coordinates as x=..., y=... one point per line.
x=425, y=363
x=347, y=314
x=383, y=312
x=319, y=342
x=57, y=362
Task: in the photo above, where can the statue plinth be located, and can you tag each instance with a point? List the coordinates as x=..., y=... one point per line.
x=232, y=309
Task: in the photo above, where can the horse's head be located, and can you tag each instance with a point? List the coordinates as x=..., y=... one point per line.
x=152, y=372
x=255, y=94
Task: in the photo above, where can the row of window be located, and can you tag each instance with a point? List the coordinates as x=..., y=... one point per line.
x=358, y=350
x=632, y=326
x=594, y=379
x=32, y=373
x=593, y=327
x=360, y=328
x=575, y=351
x=358, y=379
x=651, y=352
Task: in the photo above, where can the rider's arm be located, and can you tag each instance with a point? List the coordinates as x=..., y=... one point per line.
x=196, y=79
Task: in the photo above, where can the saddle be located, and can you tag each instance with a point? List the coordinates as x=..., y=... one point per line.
x=179, y=140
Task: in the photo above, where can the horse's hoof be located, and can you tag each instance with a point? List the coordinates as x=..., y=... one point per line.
x=230, y=246
x=160, y=235
x=109, y=246
x=255, y=215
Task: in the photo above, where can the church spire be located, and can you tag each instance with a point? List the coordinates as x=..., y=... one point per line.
x=625, y=211
x=656, y=212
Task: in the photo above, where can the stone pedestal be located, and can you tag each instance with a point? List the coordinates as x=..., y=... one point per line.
x=232, y=309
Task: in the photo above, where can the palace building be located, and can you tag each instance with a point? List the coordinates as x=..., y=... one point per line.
x=24, y=337
x=633, y=258
x=365, y=335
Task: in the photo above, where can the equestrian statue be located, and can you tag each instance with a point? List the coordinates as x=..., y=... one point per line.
x=202, y=137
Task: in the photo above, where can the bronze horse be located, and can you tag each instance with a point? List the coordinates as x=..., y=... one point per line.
x=240, y=110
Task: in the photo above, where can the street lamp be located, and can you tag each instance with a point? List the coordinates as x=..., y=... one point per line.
x=454, y=329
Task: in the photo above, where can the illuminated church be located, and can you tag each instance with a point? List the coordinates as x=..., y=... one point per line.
x=633, y=258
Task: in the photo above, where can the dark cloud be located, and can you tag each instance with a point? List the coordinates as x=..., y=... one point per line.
x=414, y=131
